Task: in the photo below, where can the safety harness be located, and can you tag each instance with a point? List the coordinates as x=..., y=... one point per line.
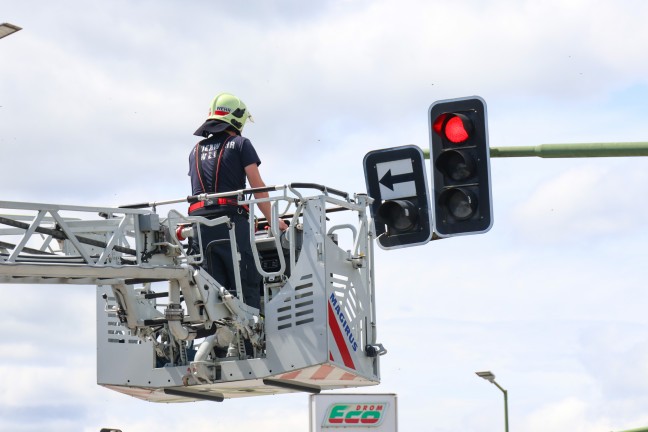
x=201, y=174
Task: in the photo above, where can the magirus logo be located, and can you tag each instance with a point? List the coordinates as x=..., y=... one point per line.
x=337, y=308
x=354, y=414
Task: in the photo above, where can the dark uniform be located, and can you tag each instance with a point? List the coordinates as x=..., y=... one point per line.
x=217, y=164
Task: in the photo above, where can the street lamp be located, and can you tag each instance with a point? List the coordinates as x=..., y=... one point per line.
x=6, y=29
x=490, y=376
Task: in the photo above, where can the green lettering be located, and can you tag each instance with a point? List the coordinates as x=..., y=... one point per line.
x=337, y=413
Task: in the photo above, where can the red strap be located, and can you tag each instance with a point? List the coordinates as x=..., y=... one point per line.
x=219, y=201
x=195, y=206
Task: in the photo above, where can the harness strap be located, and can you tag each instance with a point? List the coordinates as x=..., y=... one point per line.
x=221, y=150
x=218, y=201
x=201, y=171
x=199, y=168
x=201, y=175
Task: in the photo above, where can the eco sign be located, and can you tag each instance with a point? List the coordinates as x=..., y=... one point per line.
x=355, y=415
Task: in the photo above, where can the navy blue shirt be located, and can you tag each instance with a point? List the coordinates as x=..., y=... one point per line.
x=237, y=154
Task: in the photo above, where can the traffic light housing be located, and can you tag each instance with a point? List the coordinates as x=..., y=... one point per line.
x=397, y=183
x=460, y=165
x=402, y=223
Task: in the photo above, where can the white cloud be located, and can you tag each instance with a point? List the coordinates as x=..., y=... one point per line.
x=586, y=200
x=567, y=415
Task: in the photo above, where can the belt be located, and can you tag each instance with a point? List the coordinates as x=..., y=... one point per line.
x=217, y=202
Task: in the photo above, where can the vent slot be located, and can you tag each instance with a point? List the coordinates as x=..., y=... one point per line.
x=297, y=309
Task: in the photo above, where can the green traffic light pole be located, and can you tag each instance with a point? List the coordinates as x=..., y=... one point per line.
x=612, y=149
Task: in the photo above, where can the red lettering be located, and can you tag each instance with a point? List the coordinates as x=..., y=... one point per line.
x=352, y=417
x=370, y=417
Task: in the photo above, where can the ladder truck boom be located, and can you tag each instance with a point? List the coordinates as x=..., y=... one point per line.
x=169, y=331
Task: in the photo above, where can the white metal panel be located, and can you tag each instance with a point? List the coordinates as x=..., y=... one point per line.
x=351, y=412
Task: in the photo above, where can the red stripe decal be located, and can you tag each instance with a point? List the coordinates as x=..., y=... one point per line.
x=291, y=375
x=322, y=372
x=331, y=356
x=339, y=338
x=347, y=377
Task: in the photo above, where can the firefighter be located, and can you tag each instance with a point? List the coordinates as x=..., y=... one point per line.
x=221, y=162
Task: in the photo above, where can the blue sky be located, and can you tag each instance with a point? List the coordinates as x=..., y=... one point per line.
x=98, y=103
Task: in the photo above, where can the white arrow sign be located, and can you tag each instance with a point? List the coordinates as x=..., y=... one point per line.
x=396, y=179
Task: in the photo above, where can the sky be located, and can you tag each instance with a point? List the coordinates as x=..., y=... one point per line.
x=98, y=104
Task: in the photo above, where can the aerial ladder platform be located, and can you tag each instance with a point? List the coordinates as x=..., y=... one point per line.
x=169, y=331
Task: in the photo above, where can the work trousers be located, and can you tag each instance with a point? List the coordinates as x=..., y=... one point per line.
x=217, y=254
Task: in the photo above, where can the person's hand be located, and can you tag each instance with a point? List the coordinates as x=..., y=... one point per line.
x=283, y=226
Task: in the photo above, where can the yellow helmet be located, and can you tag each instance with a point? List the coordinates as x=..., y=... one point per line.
x=225, y=110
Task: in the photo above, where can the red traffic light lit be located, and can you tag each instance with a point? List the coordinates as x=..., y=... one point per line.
x=456, y=128
x=460, y=162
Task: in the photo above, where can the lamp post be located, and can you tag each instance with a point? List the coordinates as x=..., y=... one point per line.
x=490, y=376
x=6, y=29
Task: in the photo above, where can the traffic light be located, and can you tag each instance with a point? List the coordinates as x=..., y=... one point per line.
x=401, y=223
x=460, y=160
x=401, y=211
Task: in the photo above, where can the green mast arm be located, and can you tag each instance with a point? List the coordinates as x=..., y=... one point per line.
x=615, y=149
